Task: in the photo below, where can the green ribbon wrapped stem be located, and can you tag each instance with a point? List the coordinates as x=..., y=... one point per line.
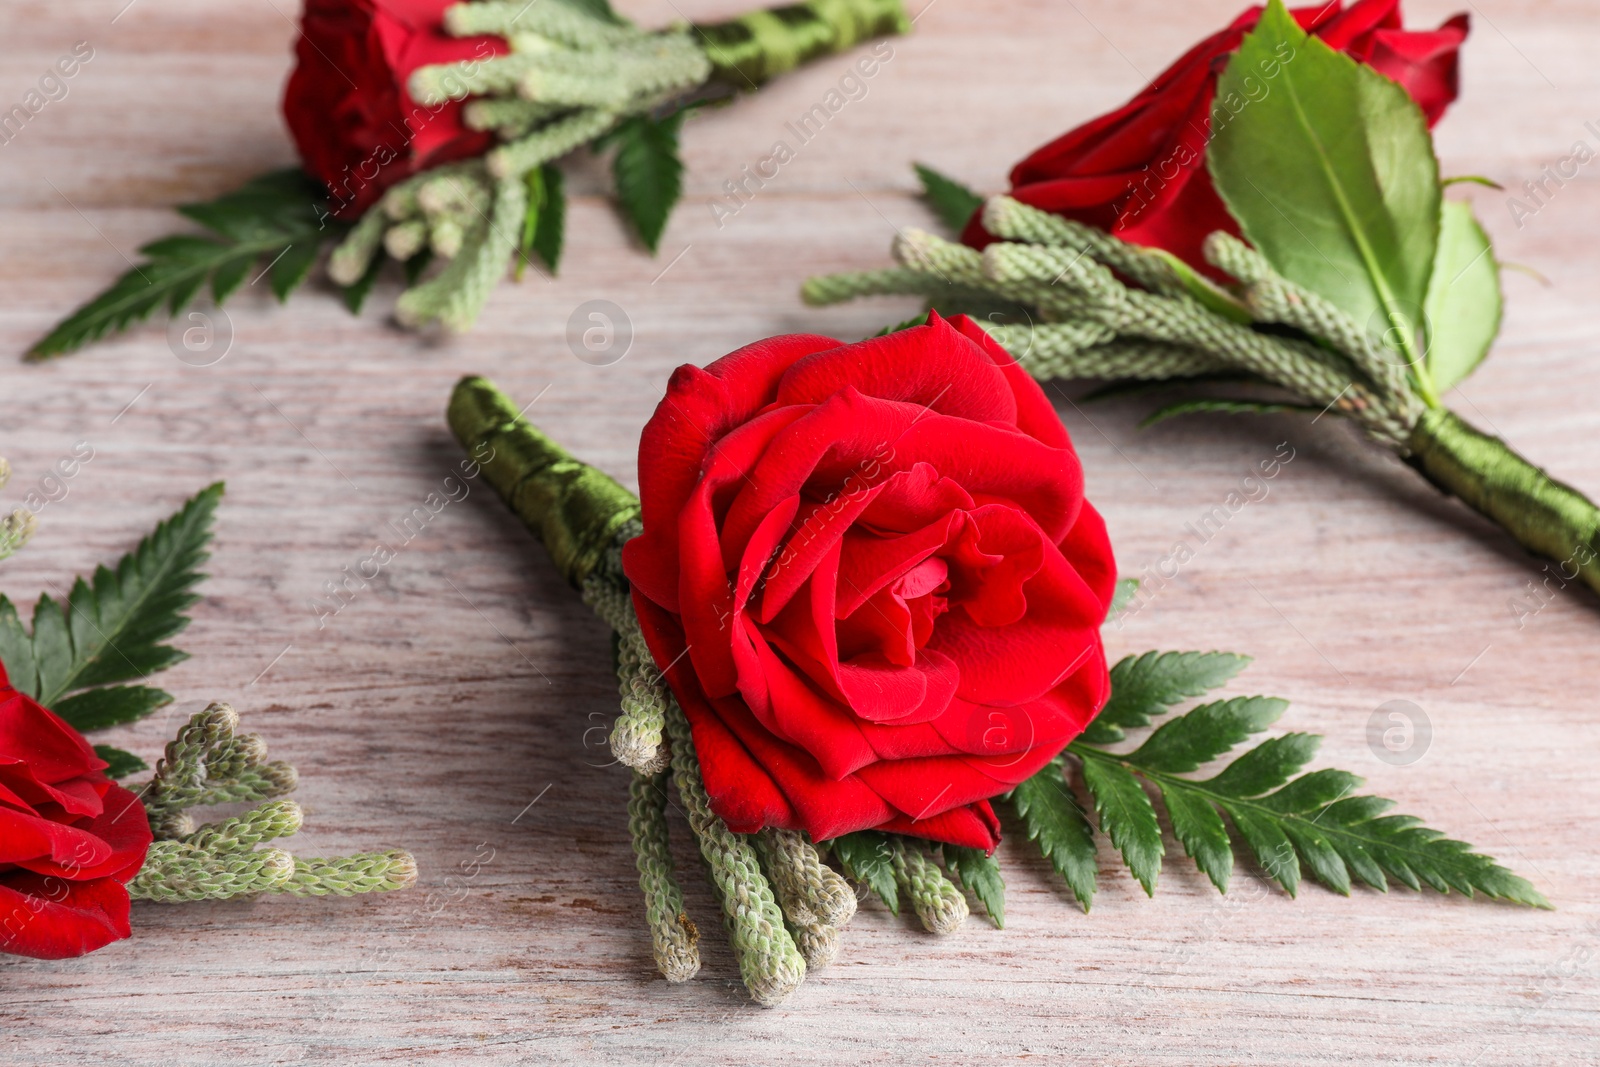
x=1546, y=517
x=759, y=46
x=575, y=510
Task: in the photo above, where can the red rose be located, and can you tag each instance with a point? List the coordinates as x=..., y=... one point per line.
x=1140, y=171
x=356, y=126
x=70, y=838
x=871, y=578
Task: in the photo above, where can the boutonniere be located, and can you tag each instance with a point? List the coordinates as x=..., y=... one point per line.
x=430, y=134
x=858, y=604
x=1266, y=220
x=79, y=845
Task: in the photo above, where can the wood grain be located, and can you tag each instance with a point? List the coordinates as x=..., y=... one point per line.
x=467, y=680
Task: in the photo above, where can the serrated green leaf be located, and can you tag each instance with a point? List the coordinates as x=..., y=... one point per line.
x=1464, y=304
x=116, y=625
x=1207, y=405
x=648, y=173
x=1330, y=173
x=981, y=874
x=866, y=856
x=1060, y=828
x=1186, y=742
x=1266, y=767
x=273, y=213
x=1199, y=829
x=1126, y=816
x=1287, y=821
x=95, y=709
x=953, y=202
x=1143, y=687
x=120, y=764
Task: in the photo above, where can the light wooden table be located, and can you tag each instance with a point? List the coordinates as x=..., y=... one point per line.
x=467, y=681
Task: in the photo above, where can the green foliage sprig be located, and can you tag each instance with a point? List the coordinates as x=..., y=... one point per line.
x=1294, y=824
x=113, y=629
x=279, y=219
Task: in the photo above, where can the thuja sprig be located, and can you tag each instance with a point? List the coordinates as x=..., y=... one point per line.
x=210, y=762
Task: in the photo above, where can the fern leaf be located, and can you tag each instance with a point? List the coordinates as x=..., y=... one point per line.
x=866, y=858
x=1060, y=828
x=111, y=630
x=979, y=872
x=280, y=217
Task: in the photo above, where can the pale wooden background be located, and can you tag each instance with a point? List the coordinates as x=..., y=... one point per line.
x=463, y=683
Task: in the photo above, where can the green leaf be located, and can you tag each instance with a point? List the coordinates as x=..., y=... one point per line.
x=1330, y=172
x=16, y=650
x=544, y=224
x=1292, y=824
x=1220, y=406
x=953, y=202
x=1126, y=816
x=866, y=858
x=1211, y=296
x=121, y=764
x=279, y=216
x=1060, y=828
x=599, y=9
x=111, y=631
x=981, y=874
x=1143, y=687
x=1199, y=829
x=291, y=266
x=95, y=709
x=1463, y=308
x=1186, y=742
x=648, y=173
x=1127, y=589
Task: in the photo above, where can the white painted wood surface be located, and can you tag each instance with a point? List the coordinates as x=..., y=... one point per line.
x=467, y=680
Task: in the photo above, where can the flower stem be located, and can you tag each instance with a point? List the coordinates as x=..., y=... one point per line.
x=760, y=45
x=574, y=509
x=1547, y=517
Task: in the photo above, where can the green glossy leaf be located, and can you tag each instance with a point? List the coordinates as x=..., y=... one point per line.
x=1464, y=303
x=648, y=173
x=1126, y=816
x=544, y=225
x=1060, y=828
x=1329, y=169
x=16, y=650
x=866, y=858
x=95, y=709
x=953, y=202
x=981, y=874
x=120, y=763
